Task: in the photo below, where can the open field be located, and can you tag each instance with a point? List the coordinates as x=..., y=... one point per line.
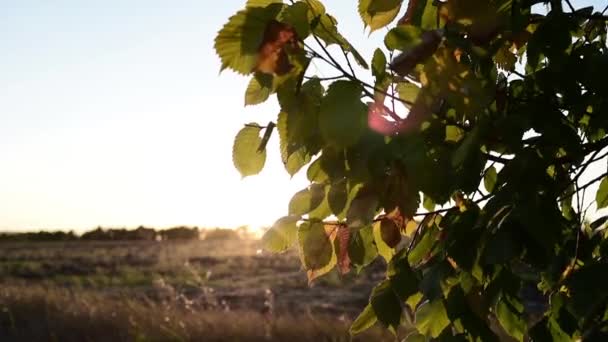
x=222, y=290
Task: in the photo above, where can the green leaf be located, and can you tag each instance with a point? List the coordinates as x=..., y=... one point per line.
x=315, y=172
x=408, y=91
x=362, y=208
x=601, y=196
x=245, y=156
x=468, y=148
x=434, y=280
x=453, y=133
x=489, y=180
x=424, y=246
x=316, y=247
x=403, y=279
x=378, y=13
x=338, y=197
x=508, y=317
x=403, y=37
x=292, y=160
x=237, y=43
x=386, y=305
x=281, y=235
x=307, y=200
x=366, y=319
x=296, y=15
x=428, y=203
x=343, y=117
x=415, y=337
x=431, y=318
x=361, y=249
x=379, y=64
x=323, y=210
x=566, y=203
x=259, y=89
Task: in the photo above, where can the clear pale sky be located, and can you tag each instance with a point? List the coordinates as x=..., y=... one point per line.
x=113, y=113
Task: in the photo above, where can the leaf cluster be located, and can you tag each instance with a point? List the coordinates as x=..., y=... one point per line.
x=471, y=189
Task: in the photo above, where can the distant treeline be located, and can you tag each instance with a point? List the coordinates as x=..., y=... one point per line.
x=139, y=234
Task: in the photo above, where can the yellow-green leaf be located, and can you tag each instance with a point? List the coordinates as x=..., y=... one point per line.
x=408, y=91
x=343, y=117
x=601, y=197
x=453, y=133
x=316, y=248
x=489, y=180
x=259, y=89
x=432, y=318
x=238, y=42
x=366, y=319
x=378, y=13
x=403, y=37
x=307, y=200
x=281, y=235
x=245, y=155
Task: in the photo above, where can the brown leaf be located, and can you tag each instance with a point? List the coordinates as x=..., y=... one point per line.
x=272, y=53
x=390, y=232
x=409, y=12
x=343, y=236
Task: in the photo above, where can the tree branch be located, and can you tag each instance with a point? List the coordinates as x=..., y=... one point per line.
x=591, y=182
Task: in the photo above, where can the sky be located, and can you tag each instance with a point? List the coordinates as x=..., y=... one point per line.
x=114, y=113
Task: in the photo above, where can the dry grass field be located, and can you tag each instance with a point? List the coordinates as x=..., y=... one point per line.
x=221, y=290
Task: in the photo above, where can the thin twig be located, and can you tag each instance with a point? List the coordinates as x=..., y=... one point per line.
x=256, y=125
x=330, y=78
x=348, y=61
x=570, y=5
x=496, y=159
x=580, y=173
x=594, y=180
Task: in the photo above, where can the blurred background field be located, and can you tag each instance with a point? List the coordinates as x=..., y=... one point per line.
x=221, y=287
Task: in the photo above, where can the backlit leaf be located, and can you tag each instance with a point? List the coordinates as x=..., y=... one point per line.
x=272, y=56
x=316, y=248
x=342, y=240
x=362, y=208
x=307, y=200
x=386, y=305
x=390, y=232
x=489, y=180
x=378, y=13
x=361, y=249
x=245, y=156
x=338, y=196
x=259, y=89
x=601, y=196
x=281, y=235
x=379, y=64
x=432, y=318
x=511, y=320
x=403, y=37
x=366, y=319
x=238, y=42
x=408, y=91
x=386, y=251
x=343, y=117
